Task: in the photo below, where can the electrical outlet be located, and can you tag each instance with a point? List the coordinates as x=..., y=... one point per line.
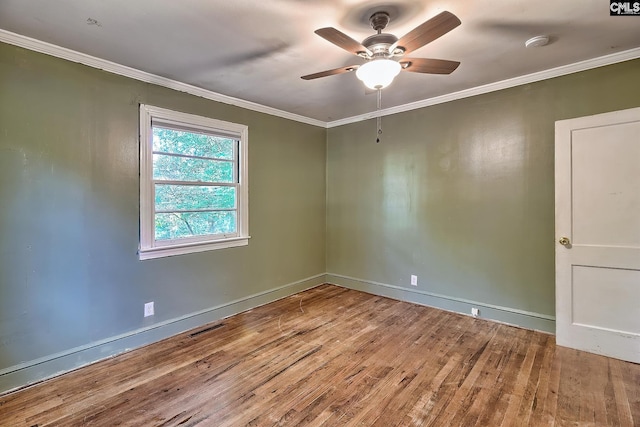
x=414, y=280
x=475, y=312
x=148, y=309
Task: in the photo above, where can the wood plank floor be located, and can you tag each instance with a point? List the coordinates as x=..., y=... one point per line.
x=336, y=357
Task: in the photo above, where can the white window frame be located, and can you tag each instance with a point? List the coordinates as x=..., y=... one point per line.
x=150, y=247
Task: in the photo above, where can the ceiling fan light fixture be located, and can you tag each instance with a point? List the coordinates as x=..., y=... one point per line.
x=378, y=73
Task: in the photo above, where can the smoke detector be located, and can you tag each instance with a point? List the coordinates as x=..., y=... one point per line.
x=537, y=41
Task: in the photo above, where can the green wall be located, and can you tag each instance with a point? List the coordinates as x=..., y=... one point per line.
x=462, y=195
x=70, y=277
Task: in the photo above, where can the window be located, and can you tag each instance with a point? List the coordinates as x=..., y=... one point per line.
x=193, y=183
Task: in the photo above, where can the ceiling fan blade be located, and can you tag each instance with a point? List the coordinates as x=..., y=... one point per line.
x=330, y=72
x=427, y=32
x=429, y=66
x=342, y=40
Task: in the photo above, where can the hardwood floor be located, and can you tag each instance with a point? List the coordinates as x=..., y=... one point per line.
x=336, y=357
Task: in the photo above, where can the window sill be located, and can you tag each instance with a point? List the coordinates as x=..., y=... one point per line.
x=166, y=251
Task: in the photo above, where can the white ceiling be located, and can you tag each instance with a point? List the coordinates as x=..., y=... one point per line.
x=257, y=50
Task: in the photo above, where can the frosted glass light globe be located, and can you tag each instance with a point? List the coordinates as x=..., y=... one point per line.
x=378, y=73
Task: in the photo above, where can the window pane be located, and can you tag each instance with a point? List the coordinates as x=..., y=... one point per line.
x=179, y=225
x=191, y=197
x=192, y=143
x=187, y=169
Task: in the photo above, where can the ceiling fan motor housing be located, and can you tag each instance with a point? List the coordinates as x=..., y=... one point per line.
x=379, y=44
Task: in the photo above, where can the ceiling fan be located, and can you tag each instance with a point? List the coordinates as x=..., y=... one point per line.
x=384, y=52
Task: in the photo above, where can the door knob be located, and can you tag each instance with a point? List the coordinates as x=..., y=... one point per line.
x=564, y=241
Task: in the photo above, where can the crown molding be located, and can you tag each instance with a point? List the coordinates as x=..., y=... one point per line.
x=115, y=68
x=122, y=70
x=492, y=87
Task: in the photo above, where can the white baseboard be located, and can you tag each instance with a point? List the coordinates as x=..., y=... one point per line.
x=508, y=315
x=33, y=371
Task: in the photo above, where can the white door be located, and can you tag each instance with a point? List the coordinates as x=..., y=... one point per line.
x=597, y=172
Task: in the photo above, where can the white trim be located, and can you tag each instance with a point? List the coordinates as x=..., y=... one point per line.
x=563, y=70
x=165, y=251
x=243, y=182
x=450, y=298
x=122, y=70
x=146, y=185
x=143, y=76
x=151, y=248
x=495, y=313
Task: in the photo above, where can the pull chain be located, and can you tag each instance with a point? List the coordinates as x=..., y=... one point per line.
x=379, y=118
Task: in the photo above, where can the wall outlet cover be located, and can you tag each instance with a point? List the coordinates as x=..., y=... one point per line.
x=148, y=309
x=414, y=280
